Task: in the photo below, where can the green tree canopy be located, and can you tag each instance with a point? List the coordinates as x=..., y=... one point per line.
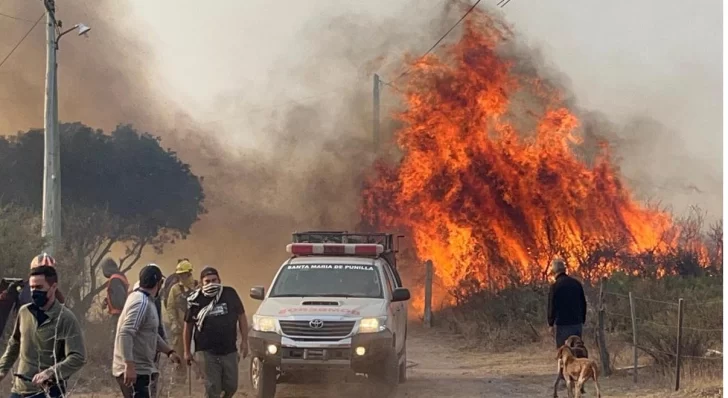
x=117, y=188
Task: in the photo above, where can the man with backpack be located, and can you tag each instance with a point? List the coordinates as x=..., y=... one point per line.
x=116, y=289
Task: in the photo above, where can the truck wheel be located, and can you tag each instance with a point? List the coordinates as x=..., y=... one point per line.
x=262, y=378
x=403, y=366
x=385, y=379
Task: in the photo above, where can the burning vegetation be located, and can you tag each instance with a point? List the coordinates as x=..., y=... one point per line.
x=492, y=182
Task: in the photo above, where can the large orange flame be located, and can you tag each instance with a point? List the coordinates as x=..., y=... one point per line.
x=489, y=196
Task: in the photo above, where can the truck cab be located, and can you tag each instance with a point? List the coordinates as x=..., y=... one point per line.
x=333, y=308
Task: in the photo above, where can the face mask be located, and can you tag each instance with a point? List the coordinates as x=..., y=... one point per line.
x=40, y=298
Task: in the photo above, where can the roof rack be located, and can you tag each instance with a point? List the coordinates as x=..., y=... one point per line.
x=387, y=241
x=379, y=238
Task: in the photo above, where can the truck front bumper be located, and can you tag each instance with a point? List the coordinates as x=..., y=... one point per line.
x=359, y=353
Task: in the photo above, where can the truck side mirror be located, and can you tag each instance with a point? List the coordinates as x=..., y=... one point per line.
x=400, y=294
x=257, y=293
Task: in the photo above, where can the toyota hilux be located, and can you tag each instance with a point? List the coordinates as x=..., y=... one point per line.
x=333, y=308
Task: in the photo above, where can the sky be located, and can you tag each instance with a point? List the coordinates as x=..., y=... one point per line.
x=652, y=58
x=663, y=58
x=238, y=67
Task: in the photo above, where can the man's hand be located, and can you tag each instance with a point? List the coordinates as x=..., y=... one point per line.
x=189, y=359
x=243, y=350
x=130, y=374
x=175, y=358
x=43, y=377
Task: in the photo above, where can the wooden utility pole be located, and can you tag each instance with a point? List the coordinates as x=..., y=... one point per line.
x=375, y=112
x=51, y=224
x=603, y=353
x=634, y=336
x=678, y=350
x=428, y=293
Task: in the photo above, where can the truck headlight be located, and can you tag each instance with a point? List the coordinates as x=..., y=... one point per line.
x=264, y=323
x=372, y=325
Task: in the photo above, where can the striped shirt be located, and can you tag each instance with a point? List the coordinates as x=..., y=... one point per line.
x=137, y=338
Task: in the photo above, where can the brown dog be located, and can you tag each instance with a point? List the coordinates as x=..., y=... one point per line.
x=577, y=371
x=577, y=346
x=579, y=351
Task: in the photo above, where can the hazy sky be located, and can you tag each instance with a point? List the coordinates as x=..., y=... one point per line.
x=654, y=56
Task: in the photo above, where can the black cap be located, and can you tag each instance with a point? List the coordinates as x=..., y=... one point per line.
x=208, y=271
x=149, y=276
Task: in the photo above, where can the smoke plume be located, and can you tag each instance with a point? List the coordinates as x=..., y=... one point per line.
x=307, y=170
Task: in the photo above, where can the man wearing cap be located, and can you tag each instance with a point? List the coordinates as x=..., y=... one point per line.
x=176, y=306
x=214, y=317
x=37, y=261
x=18, y=293
x=48, y=340
x=137, y=338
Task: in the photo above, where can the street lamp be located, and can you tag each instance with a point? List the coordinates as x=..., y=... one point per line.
x=51, y=228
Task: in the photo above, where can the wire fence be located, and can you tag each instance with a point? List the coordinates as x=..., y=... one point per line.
x=668, y=332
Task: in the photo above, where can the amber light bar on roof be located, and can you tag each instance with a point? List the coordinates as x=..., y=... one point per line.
x=334, y=249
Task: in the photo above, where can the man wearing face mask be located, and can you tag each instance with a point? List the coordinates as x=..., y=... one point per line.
x=37, y=261
x=138, y=340
x=48, y=339
x=215, y=316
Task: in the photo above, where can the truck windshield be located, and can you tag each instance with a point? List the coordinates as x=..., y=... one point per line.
x=328, y=280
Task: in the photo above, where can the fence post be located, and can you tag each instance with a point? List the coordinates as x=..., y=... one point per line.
x=601, y=334
x=678, y=351
x=634, y=335
x=428, y=293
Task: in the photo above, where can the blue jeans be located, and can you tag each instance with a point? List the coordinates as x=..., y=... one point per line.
x=564, y=331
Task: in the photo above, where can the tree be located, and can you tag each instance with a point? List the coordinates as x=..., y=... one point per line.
x=19, y=239
x=121, y=188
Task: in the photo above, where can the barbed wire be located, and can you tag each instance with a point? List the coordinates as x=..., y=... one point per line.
x=660, y=324
x=626, y=296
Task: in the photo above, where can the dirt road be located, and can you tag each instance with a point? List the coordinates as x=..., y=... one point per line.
x=441, y=366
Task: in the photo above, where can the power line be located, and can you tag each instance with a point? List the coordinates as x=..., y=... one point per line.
x=503, y=3
x=21, y=40
x=438, y=41
x=15, y=18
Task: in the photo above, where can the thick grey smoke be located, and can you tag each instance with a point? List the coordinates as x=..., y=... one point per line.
x=311, y=156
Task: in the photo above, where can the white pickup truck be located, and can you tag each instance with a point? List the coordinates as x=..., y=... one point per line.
x=332, y=309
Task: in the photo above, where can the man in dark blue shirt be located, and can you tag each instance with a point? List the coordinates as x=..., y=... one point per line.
x=567, y=304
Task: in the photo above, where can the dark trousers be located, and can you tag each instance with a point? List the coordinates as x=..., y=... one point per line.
x=221, y=374
x=563, y=332
x=57, y=391
x=144, y=387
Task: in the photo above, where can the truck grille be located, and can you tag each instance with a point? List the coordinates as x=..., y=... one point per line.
x=328, y=329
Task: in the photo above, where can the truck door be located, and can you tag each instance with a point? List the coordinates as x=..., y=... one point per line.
x=399, y=309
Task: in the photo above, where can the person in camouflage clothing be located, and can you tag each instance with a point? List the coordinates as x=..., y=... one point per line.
x=176, y=306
